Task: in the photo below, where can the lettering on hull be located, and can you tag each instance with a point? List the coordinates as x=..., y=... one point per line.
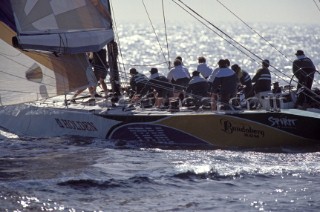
x=282, y=122
x=247, y=131
x=147, y=133
x=76, y=125
x=155, y=134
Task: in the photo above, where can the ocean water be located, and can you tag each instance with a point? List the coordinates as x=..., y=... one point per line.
x=245, y=45
x=81, y=174
x=65, y=174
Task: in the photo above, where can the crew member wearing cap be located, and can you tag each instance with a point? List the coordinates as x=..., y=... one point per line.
x=262, y=78
x=138, y=83
x=244, y=80
x=162, y=86
x=303, y=69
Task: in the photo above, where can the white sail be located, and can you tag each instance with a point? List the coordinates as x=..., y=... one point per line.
x=70, y=28
x=30, y=76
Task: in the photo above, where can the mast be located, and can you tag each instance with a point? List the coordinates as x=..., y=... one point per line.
x=112, y=48
x=113, y=65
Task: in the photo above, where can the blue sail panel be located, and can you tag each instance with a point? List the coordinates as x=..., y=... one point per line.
x=73, y=26
x=6, y=14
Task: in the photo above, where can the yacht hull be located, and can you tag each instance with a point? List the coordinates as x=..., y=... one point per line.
x=235, y=129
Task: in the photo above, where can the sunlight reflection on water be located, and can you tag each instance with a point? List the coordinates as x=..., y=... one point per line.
x=278, y=43
x=72, y=175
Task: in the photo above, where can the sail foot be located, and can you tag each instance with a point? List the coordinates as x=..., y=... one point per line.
x=65, y=43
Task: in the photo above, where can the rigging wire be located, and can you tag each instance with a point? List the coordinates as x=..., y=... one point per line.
x=225, y=34
x=216, y=28
x=317, y=5
x=124, y=74
x=228, y=41
x=120, y=49
x=154, y=31
x=252, y=29
x=269, y=43
x=114, y=26
x=142, y=65
x=166, y=35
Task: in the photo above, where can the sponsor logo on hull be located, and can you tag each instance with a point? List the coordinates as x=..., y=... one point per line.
x=76, y=125
x=282, y=122
x=248, y=131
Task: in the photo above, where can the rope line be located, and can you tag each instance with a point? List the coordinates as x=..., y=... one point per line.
x=232, y=40
x=154, y=31
x=270, y=44
x=317, y=5
x=166, y=35
x=114, y=25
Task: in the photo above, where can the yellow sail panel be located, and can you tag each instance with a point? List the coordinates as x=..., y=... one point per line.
x=29, y=76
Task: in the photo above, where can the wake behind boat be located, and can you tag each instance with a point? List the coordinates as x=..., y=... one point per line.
x=46, y=79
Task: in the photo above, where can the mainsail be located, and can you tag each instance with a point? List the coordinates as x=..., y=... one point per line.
x=73, y=26
x=40, y=28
